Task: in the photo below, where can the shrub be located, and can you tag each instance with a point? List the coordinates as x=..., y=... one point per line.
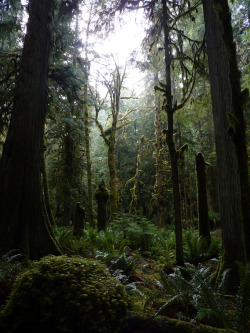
x=61, y=294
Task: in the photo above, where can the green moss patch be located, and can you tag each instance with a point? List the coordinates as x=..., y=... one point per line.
x=61, y=294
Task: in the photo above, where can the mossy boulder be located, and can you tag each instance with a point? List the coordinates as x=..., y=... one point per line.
x=61, y=294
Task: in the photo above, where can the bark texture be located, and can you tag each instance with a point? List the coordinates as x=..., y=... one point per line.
x=23, y=218
x=159, y=161
x=228, y=171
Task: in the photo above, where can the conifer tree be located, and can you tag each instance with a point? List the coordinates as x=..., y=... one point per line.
x=24, y=223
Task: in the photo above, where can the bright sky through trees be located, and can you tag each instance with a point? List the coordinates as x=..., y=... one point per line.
x=125, y=39
x=123, y=44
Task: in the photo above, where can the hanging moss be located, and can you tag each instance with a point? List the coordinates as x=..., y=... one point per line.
x=61, y=294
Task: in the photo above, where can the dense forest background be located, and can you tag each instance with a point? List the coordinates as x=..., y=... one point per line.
x=151, y=152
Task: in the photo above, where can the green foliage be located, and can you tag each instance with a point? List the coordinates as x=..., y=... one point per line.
x=139, y=231
x=121, y=266
x=61, y=294
x=10, y=264
x=195, y=247
x=191, y=288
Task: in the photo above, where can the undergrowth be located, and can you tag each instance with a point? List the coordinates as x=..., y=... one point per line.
x=142, y=257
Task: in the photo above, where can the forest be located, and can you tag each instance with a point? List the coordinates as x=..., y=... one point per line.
x=124, y=166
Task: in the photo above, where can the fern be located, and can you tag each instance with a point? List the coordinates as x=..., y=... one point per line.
x=191, y=286
x=10, y=264
x=195, y=248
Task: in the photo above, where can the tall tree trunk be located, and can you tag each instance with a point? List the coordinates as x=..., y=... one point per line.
x=24, y=223
x=87, y=148
x=112, y=172
x=135, y=191
x=86, y=126
x=238, y=130
x=228, y=172
x=170, y=143
x=68, y=181
x=159, y=160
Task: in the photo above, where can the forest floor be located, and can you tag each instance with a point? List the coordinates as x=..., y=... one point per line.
x=154, y=284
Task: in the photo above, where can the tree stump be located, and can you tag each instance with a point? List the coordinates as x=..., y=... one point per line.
x=102, y=197
x=79, y=220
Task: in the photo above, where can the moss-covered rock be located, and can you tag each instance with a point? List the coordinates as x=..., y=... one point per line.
x=61, y=294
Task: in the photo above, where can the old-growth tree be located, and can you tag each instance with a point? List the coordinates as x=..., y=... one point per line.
x=24, y=223
x=228, y=119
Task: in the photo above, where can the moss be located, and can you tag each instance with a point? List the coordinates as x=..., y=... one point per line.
x=162, y=324
x=61, y=294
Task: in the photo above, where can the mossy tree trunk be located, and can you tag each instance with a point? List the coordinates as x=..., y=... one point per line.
x=170, y=142
x=109, y=136
x=88, y=157
x=135, y=191
x=217, y=22
x=204, y=229
x=159, y=160
x=86, y=122
x=24, y=221
x=112, y=168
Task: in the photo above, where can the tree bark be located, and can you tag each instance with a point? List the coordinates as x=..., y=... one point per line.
x=228, y=171
x=23, y=218
x=159, y=160
x=239, y=132
x=112, y=170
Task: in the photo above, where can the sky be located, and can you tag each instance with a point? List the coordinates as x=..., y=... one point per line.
x=126, y=38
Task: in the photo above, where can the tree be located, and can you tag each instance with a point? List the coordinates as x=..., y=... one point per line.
x=64, y=126
x=135, y=190
x=10, y=37
x=24, y=223
x=228, y=117
x=160, y=184
x=114, y=88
